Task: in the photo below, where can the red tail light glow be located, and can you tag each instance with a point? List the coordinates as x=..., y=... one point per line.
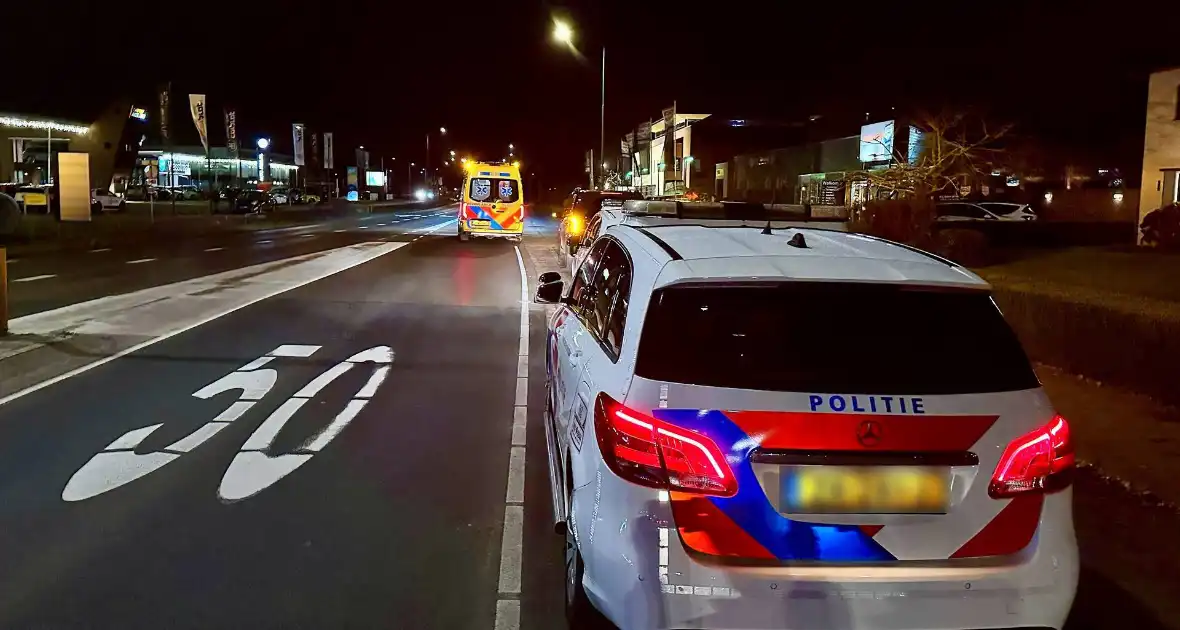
x=655, y=454
x=1039, y=461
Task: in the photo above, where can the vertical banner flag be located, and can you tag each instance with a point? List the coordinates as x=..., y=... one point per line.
x=297, y=138
x=196, y=104
x=328, y=162
x=231, y=132
x=164, y=114
x=315, y=149
x=669, y=152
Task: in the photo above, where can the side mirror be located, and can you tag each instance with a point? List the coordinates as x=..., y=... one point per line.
x=548, y=277
x=550, y=292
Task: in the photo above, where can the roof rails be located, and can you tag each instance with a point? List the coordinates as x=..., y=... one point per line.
x=726, y=211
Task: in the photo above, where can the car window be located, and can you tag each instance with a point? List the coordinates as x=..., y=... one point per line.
x=620, y=287
x=962, y=210
x=582, y=286
x=812, y=337
x=611, y=278
x=592, y=229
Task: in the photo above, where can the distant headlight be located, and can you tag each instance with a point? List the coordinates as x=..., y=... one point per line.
x=420, y=195
x=430, y=195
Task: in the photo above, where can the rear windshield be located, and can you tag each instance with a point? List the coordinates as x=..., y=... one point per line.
x=494, y=190
x=825, y=337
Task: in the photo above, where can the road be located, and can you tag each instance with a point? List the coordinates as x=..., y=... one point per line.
x=407, y=492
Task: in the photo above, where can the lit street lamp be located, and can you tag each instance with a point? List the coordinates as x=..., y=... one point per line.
x=564, y=34
x=441, y=131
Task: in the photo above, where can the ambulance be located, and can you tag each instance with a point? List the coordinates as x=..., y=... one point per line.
x=492, y=202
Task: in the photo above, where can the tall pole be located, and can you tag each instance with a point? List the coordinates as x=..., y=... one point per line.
x=49, y=157
x=426, y=167
x=602, y=114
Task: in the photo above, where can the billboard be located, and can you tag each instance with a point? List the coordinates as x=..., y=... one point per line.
x=297, y=140
x=352, y=193
x=876, y=142
x=375, y=178
x=73, y=177
x=915, y=145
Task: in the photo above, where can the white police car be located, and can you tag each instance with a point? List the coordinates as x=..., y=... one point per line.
x=799, y=428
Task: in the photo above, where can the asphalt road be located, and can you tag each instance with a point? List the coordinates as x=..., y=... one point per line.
x=47, y=281
x=385, y=500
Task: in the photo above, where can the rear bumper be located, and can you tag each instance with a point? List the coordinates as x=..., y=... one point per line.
x=640, y=576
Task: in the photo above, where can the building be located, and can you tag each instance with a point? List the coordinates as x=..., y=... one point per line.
x=188, y=166
x=1161, y=143
x=704, y=144
x=30, y=145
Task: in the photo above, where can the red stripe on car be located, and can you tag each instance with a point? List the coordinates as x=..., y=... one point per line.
x=843, y=431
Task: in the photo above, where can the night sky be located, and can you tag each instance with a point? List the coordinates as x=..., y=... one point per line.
x=382, y=74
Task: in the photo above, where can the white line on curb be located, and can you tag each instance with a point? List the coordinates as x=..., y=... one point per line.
x=512, y=542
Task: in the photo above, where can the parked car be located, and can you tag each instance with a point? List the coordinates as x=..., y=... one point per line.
x=187, y=193
x=1009, y=211
x=984, y=211
x=579, y=209
x=101, y=200
x=251, y=201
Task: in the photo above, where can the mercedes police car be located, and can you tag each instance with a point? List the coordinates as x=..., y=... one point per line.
x=799, y=428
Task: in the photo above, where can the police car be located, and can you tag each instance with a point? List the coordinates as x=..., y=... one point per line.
x=799, y=428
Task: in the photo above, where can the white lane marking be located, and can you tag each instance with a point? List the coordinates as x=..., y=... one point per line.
x=12, y=261
x=52, y=320
x=33, y=278
x=519, y=418
x=140, y=261
x=253, y=470
x=515, y=493
x=362, y=227
x=100, y=250
x=294, y=350
x=308, y=235
x=118, y=464
x=512, y=541
x=214, y=249
x=339, y=231
x=375, y=381
x=510, y=549
x=263, y=242
x=507, y=614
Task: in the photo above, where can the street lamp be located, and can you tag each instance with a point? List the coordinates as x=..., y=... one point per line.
x=563, y=33
x=263, y=143
x=441, y=131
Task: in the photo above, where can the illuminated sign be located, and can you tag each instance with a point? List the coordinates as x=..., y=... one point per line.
x=876, y=142
x=375, y=178
x=139, y=113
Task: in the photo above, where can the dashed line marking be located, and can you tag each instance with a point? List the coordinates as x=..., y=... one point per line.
x=100, y=250
x=214, y=249
x=33, y=278
x=263, y=242
x=140, y=261
x=339, y=231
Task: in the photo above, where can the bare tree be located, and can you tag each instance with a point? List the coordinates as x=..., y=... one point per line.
x=954, y=146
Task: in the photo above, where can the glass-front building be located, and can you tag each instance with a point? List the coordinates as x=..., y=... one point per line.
x=188, y=166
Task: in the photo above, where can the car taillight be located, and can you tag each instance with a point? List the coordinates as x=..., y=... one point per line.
x=655, y=454
x=1039, y=461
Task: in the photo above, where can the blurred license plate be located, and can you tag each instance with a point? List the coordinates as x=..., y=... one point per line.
x=479, y=224
x=864, y=489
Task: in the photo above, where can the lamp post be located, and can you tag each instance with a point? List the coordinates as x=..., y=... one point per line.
x=409, y=179
x=564, y=34
x=442, y=131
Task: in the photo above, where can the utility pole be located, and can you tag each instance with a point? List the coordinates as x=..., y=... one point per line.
x=602, y=114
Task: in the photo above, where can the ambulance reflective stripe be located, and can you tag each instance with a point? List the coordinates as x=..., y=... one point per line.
x=748, y=525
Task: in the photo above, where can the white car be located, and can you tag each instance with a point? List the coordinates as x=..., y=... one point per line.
x=983, y=211
x=106, y=200
x=799, y=429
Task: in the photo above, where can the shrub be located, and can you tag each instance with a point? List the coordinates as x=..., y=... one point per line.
x=965, y=246
x=909, y=221
x=1161, y=227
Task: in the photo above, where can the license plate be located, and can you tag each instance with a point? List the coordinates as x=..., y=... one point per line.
x=864, y=489
x=479, y=224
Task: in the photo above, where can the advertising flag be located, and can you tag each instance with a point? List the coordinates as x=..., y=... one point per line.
x=164, y=114
x=297, y=138
x=196, y=104
x=231, y=131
